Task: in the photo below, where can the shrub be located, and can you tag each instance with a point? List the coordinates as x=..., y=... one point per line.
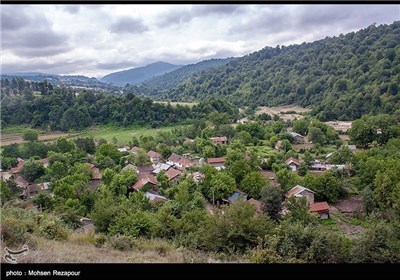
x=121, y=242
x=52, y=228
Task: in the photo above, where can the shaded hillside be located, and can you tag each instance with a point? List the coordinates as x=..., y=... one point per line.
x=171, y=79
x=341, y=77
x=137, y=75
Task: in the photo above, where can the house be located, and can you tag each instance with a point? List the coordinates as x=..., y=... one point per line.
x=21, y=182
x=160, y=167
x=300, y=191
x=129, y=167
x=219, y=140
x=135, y=150
x=5, y=175
x=184, y=163
x=218, y=163
x=235, y=197
x=155, y=198
x=316, y=166
x=321, y=208
x=173, y=175
x=256, y=203
x=44, y=186
x=145, y=180
x=96, y=177
x=173, y=159
x=278, y=145
x=293, y=163
x=154, y=157
x=297, y=138
x=45, y=162
x=122, y=150
x=29, y=189
x=19, y=166
x=144, y=169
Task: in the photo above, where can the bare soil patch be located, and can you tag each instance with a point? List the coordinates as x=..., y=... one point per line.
x=350, y=205
x=281, y=110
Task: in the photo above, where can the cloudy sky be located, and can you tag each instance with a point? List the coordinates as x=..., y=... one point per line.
x=95, y=40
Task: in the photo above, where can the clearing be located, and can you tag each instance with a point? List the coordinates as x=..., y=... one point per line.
x=281, y=111
x=11, y=138
x=173, y=104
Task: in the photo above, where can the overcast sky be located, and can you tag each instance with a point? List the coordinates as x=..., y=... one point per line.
x=94, y=40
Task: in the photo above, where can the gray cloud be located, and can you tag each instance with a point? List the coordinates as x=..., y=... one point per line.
x=114, y=65
x=64, y=67
x=72, y=9
x=180, y=16
x=13, y=21
x=128, y=25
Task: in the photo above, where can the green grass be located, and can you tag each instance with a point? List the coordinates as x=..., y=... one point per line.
x=123, y=135
x=14, y=129
x=262, y=150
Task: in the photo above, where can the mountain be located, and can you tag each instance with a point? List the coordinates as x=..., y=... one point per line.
x=140, y=74
x=341, y=77
x=171, y=79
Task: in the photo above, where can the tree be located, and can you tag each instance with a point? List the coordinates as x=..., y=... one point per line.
x=303, y=169
x=239, y=170
x=341, y=156
x=298, y=210
x=30, y=135
x=108, y=150
x=301, y=126
x=222, y=185
x=271, y=199
x=121, y=182
x=57, y=170
x=315, y=135
x=244, y=137
x=141, y=158
x=32, y=170
x=253, y=183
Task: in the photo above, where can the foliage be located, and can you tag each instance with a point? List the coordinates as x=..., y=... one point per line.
x=30, y=135
x=271, y=199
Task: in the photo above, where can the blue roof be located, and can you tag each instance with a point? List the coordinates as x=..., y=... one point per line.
x=236, y=195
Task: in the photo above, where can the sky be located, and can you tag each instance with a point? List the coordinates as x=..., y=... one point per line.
x=95, y=40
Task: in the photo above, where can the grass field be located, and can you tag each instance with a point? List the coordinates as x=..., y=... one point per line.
x=13, y=134
x=123, y=135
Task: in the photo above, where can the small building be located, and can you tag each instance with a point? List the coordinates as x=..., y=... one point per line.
x=145, y=180
x=122, y=150
x=173, y=175
x=278, y=145
x=316, y=166
x=5, y=175
x=144, y=169
x=154, y=157
x=161, y=167
x=45, y=162
x=155, y=198
x=219, y=140
x=321, y=208
x=17, y=169
x=96, y=177
x=293, y=163
x=135, y=150
x=237, y=195
x=44, y=186
x=256, y=203
x=297, y=138
x=183, y=163
x=129, y=167
x=173, y=159
x=300, y=191
x=218, y=163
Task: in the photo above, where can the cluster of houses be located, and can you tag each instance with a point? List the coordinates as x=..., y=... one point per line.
x=317, y=165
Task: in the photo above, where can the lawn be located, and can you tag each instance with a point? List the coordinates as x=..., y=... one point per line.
x=123, y=135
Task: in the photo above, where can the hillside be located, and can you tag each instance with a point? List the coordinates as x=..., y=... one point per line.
x=137, y=75
x=171, y=79
x=342, y=77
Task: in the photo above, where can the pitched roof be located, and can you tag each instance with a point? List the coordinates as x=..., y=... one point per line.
x=44, y=160
x=256, y=203
x=122, y=150
x=153, y=154
x=296, y=190
x=292, y=160
x=278, y=144
x=144, y=179
x=319, y=206
x=96, y=175
x=215, y=160
x=155, y=198
x=19, y=166
x=144, y=169
x=21, y=182
x=185, y=162
x=219, y=139
x=128, y=167
x=172, y=173
x=174, y=157
x=134, y=150
x=294, y=134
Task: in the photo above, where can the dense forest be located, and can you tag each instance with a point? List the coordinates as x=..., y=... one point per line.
x=342, y=77
x=40, y=104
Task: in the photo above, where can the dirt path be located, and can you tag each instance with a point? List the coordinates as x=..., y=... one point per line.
x=7, y=139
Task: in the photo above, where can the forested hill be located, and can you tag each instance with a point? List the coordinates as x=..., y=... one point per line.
x=171, y=79
x=138, y=75
x=341, y=77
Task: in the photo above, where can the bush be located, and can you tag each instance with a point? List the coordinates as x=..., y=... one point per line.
x=30, y=135
x=52, y=228
x=121, y=242
x=100, y=241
